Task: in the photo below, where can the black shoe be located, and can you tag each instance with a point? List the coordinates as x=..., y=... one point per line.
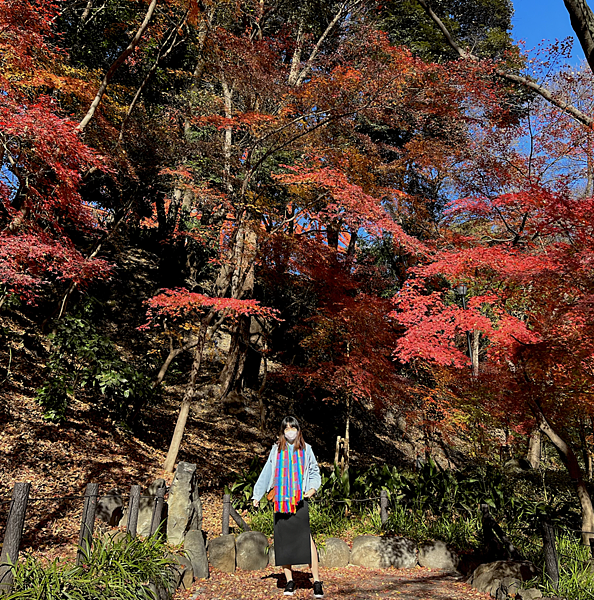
x=318, y=590
x=289, y=588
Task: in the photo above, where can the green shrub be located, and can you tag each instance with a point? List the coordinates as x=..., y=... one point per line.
x=120, y=569
x=432, y=503
x=328, y=521
x=80, y=359
x=358, y=484
x=262, y=520
x=438, y=490
x=242, y=489
x=461, y=531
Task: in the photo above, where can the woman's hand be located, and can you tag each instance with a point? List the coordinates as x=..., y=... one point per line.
x=256, y=503
x=309, y=493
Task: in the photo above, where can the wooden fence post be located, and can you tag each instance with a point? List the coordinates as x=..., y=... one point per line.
x=85, y=538
x=337, y=452
x=384, y=506
x=133, y=507
x=158, y=510
x=550, y=552
x=13, y=534
x=497, y=543
x=226, y=512
x=238, y=518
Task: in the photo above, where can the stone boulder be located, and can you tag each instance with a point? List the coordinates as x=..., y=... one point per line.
x=182, y=573
x=110, y=508
x=184, y=506
x=221, y=553
x=437, y=555
x=487, y=578
x=508, y=588
x=196, y=551
x=528, y=594
x=517, y=465
x=251, y=551
x=382, y=552
x=145, y=509
x=366, y=552
x=401, y=552
x=336, y=553
x=271, y=559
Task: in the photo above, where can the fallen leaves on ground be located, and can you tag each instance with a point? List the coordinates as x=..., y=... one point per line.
x=349, y=583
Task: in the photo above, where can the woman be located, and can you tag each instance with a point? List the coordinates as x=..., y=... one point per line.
x=293, y=473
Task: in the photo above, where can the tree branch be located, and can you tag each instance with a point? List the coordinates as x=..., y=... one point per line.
x=448, y=36
x=164, y=50
x=571, y=110
x=308, y=65
x=119, y=60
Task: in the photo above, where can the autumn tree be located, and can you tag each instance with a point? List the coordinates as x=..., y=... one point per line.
x=258, y=143
x=517, y=237
x=43, y=163
x=521, y=238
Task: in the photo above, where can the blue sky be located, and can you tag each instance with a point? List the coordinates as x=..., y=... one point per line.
x=537, y=20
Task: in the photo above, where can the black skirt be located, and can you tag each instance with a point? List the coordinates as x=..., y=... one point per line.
x=292, y=537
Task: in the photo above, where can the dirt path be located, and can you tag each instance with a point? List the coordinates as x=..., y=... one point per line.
x=349, y=583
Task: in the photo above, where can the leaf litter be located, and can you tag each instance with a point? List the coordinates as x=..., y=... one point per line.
x=348, y=583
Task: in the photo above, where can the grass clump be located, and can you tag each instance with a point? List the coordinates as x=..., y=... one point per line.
x=324, y=521
x=116, y=569
x=461, y=531
x=576, y=579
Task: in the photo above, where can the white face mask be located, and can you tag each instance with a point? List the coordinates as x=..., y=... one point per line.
x=291, y=436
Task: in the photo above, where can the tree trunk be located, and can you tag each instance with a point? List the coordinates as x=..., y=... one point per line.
x=178, y=434
x=476, y=337
x=253, y=359
x=570, y=461
x=85, y=15
x=333, y=234
x=262, y=403
x=241, y=287
x=534, y=448
x=228, y=135
x=344, y=461
x=173, y=352
x=296, y=60
x=186, y=403
x=231, y=377
x=589, y=191
x=307, y=67
x=582, y=22
x=586, y=454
